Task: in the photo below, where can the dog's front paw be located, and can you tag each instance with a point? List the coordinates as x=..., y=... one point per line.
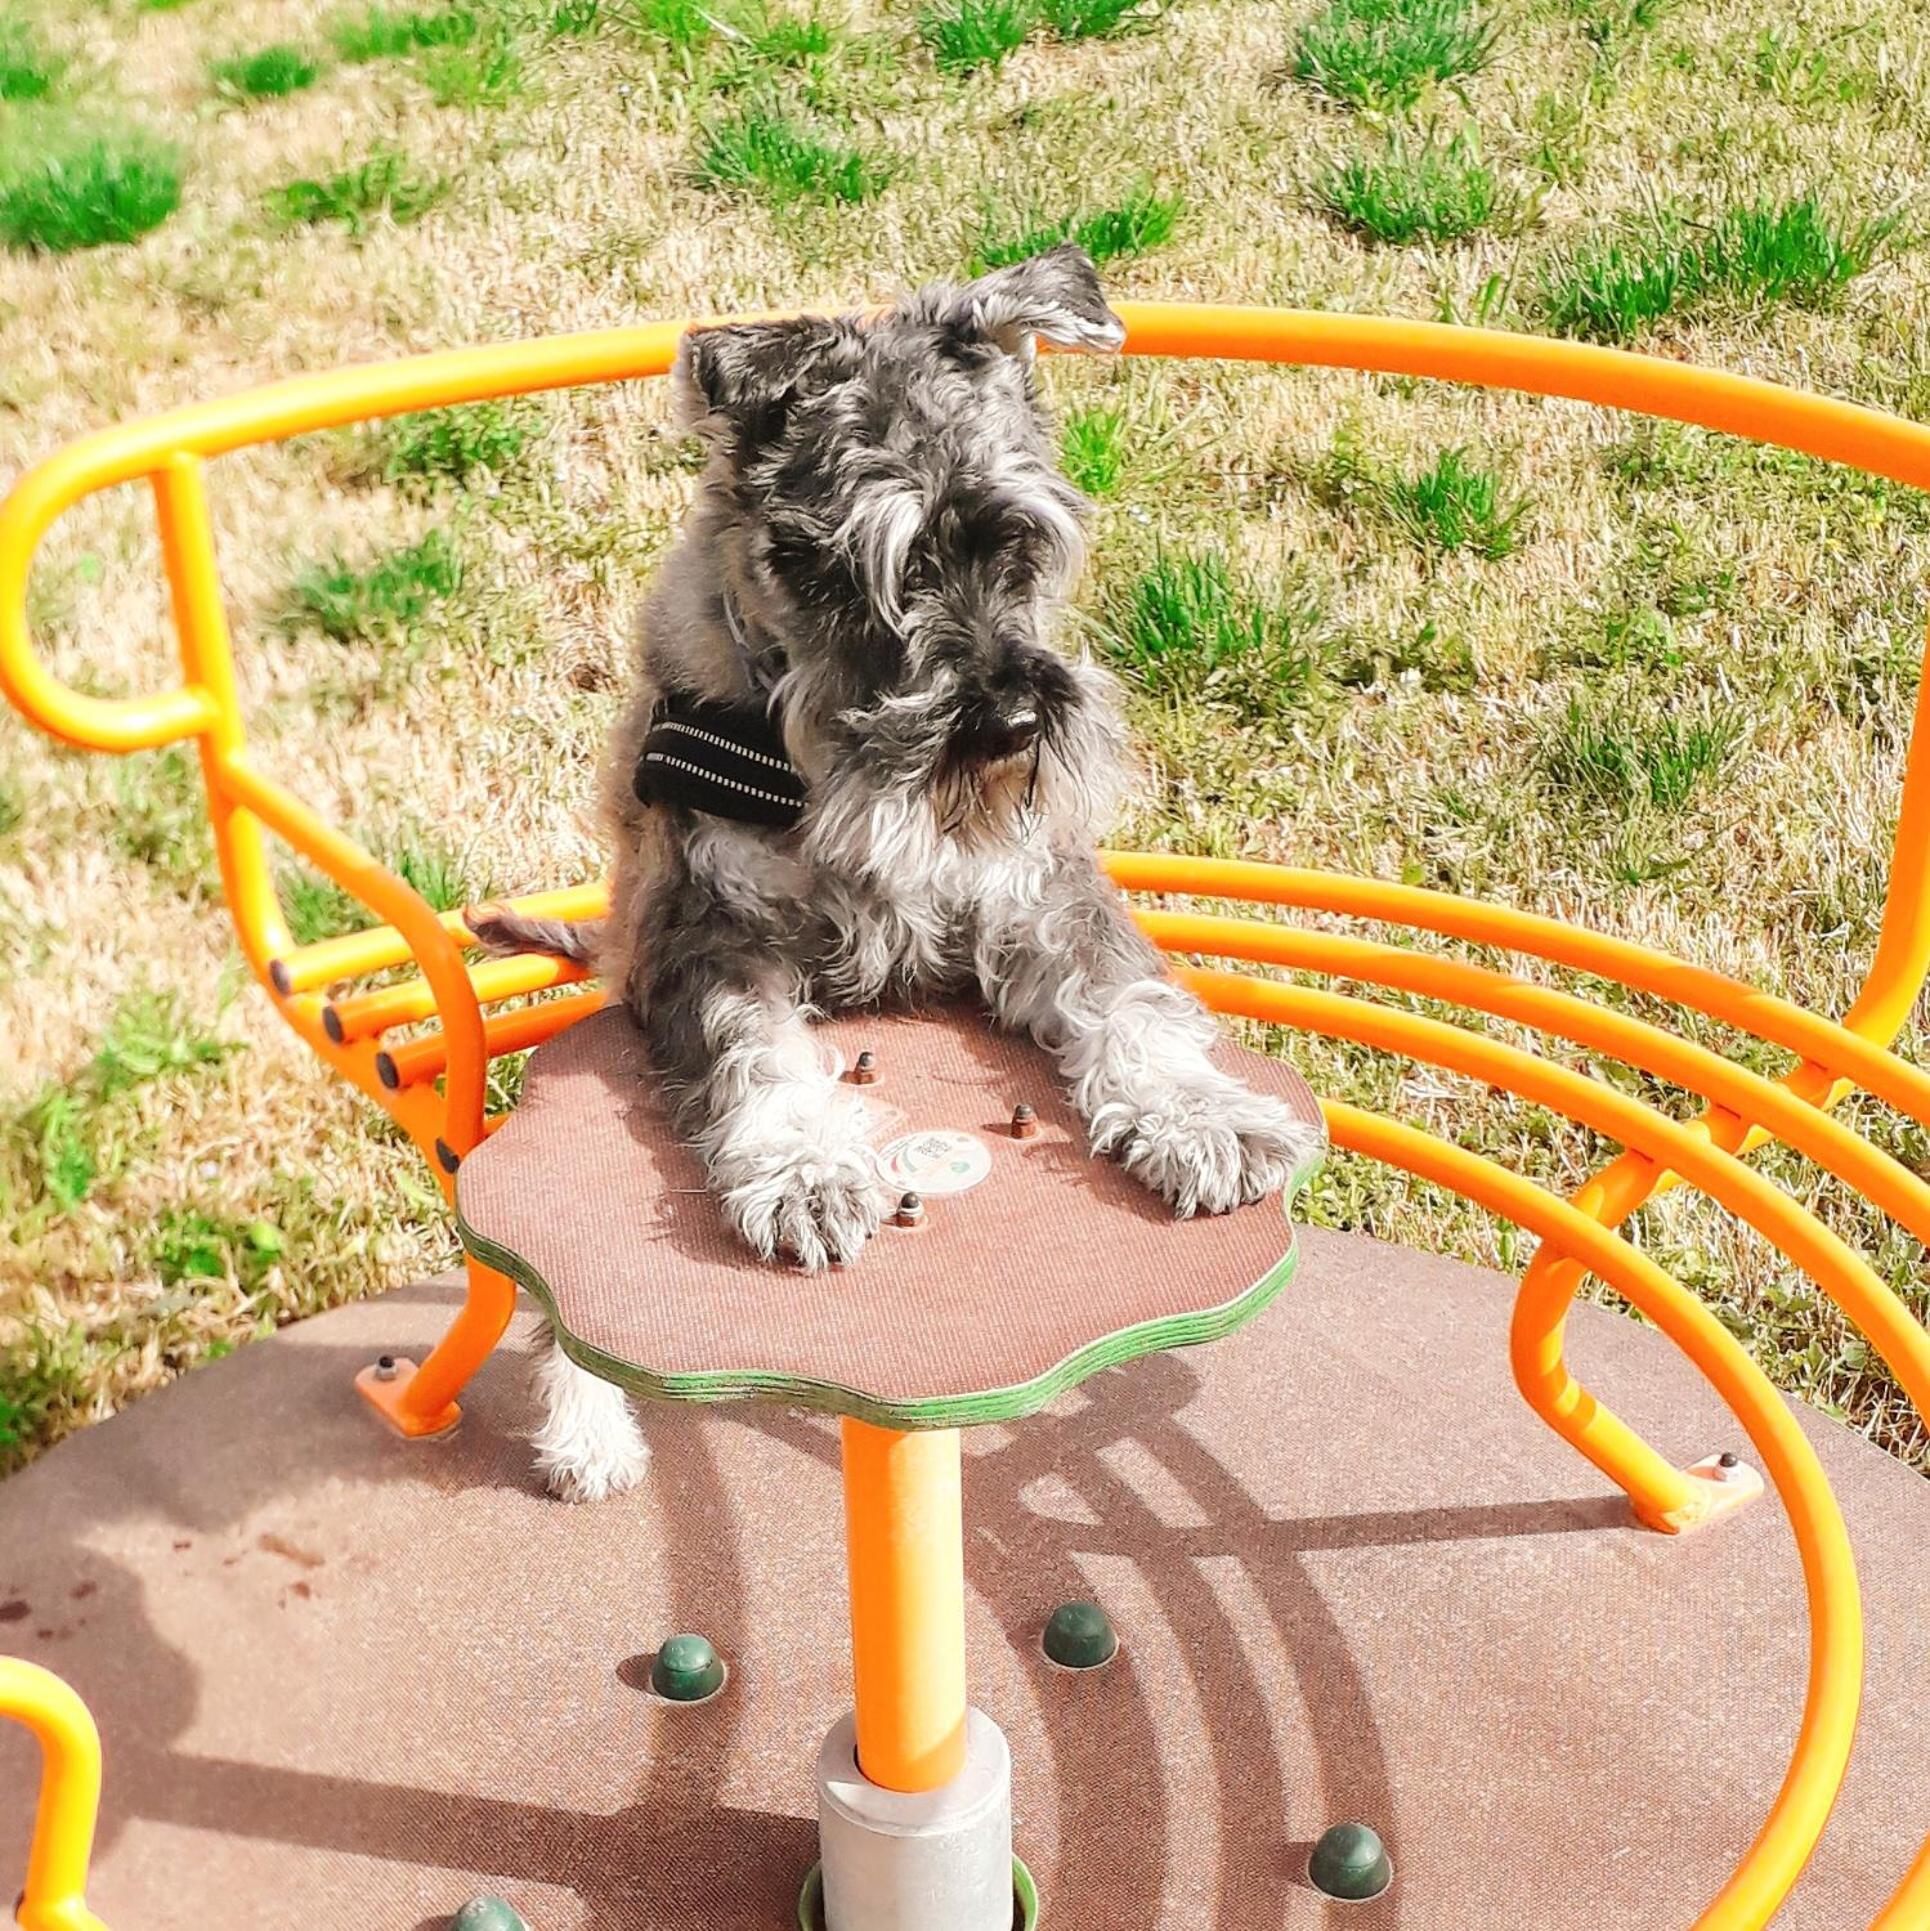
x=1210, y=1147
x=813, y=1200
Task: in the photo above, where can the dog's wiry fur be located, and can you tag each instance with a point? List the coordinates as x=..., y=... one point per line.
x=881, y=534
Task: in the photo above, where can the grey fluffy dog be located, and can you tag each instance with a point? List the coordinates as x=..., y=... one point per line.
x=870, y=574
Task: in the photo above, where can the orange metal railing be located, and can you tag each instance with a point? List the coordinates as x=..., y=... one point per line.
x=434, y=1081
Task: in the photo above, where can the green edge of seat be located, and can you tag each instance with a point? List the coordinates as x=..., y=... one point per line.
x=945, y=1411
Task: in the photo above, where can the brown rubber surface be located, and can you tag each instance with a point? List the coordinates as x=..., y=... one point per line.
x=347, y=1681
x=997, y=1289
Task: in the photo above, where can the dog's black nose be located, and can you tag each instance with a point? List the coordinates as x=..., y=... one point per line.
x=1011, y=728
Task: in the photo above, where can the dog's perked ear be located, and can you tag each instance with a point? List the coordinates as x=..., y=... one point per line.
x=1055, y=296
x=746, y=373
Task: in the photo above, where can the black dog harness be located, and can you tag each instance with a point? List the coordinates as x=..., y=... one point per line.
x=725, y=759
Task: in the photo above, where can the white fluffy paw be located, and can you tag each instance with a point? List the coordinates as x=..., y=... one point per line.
x=815, y=1199
x=589, y=1445
x=1208, y=1146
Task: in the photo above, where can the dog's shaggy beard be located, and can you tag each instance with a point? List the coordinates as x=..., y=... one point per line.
x=892, y=803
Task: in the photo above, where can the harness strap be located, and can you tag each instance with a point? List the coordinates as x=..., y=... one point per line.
x=724, y=759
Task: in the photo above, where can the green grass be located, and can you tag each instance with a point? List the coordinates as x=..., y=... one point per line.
x=159, y=819
x=1186, y=630
x=189, y=1244
x=27, y=71
x=1094, y=19
x=386, y=184
x=1455, y=505
x=353, y=605
x=1793, y=251
x=13, y=806
x=103, y=191
x=437, y=870
x=434, y=446
x=1387, y=53
x=575, y=19
x=1620, y=758
x=767, y=154
x=1613, y=287
x=1143, y=220
x=964, y=35
x=484, y=73
x=316, y=908
x=789, y=39
x=1092, y=449
x=74, y=1132
x=268, y=75
x=1610, y=24
x=1416, y=190
x=390, y=33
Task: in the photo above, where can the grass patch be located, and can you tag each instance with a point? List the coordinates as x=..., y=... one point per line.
x=965, y=35
x=457, y=445
x=316, y=908
x=105, y=191
x=1453, y=504
x=1611, y=24
x=575, y=19
x=27, y=70
x=485, y=73
x=1186, y=629
x=1143, y=220
x=392, y=33
x=1612, y=288
x=1796, y=251
x=1426, y=190
x=189, y=1244
x=1094, y=19
x=160, y=819
x=1092, y=449
x=271, y=74
x=765, y=154
x=1387, y=53
x=436, y=870
x=386, y=184
x=353, y=605
x=1619, y=759
x=75, y=1132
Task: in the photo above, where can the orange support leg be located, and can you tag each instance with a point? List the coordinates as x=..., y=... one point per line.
x=422, y=1401
x=905, y=1535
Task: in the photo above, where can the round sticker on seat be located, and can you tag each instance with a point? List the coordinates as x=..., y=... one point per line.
x=935, y=1162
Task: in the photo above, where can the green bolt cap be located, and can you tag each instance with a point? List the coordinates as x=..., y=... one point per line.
x=686, y=1670
x=1080, y=1636
x=1350, y=1862
x=489, y=1914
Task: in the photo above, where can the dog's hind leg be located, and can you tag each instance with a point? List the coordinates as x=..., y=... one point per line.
x=1072, y=969
x=498, y=929
x=588, y=1444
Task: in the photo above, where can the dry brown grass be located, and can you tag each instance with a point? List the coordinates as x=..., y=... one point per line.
x=1761, y=588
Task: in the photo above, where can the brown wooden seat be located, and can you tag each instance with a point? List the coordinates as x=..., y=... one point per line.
x=1036, y=1265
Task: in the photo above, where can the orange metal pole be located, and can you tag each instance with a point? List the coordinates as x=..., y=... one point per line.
x=194, y=584
x=1909, y=1910
x=905, y=1541
x=70, y=1795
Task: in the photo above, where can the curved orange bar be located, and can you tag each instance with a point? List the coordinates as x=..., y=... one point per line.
x=70, y=1795
x=1802, y=1806
x=1545, y=1381
x=1888, y=1184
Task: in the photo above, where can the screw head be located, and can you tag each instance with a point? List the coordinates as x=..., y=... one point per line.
x=1351, y=1862
x=686, y=1670
x=1080, y=1636
x=1728, y=1458
x=864, y=1070
x=385, y=1368
x=1025, y=1122
x=911, y=1210
x=489, y=1914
